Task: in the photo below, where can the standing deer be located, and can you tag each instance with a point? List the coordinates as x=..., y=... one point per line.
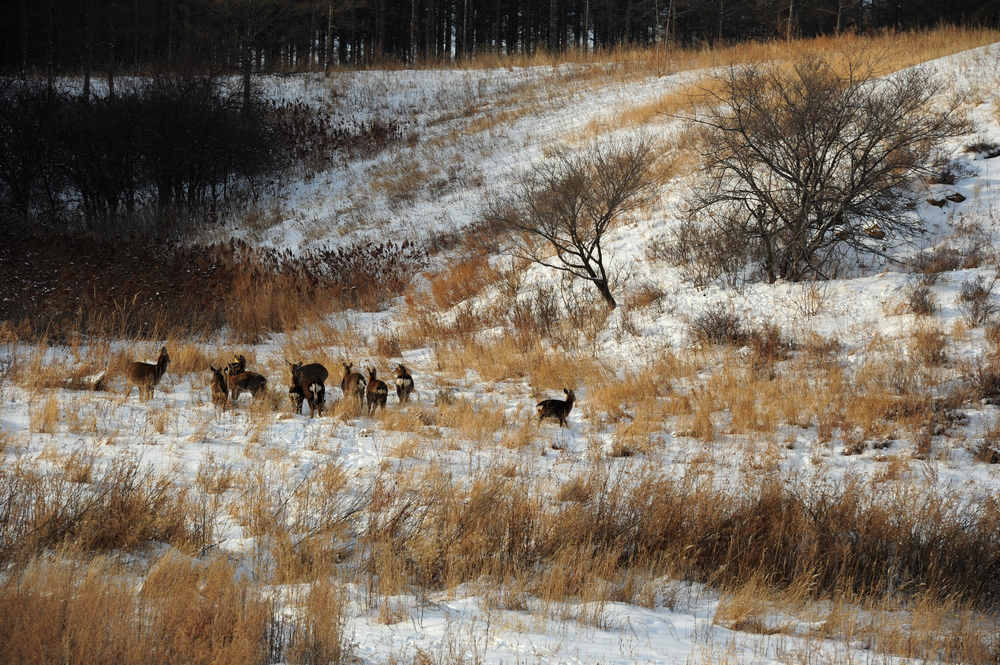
x=145, y=376
x=556, y=408
x=239, y=380
x=309, y=383
x=353, y=384
x=297, y=395
x=220, y=389
x=404, y=383
x=377, y=392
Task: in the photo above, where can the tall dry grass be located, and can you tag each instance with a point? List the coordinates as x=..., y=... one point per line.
x=67, y=612
x=125, y=507
x=856, y=540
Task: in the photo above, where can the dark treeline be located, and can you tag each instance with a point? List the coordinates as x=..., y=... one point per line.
x=84, y=36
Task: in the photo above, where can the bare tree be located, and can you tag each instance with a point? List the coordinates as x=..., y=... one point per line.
x=807, y=162
x=560, y=210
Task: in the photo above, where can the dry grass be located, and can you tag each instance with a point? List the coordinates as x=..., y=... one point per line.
x=478, y=420
x=126, y=507
x=885, y=53
x=928, y=345
x=461, y=281
x=321, y=636
x=503, y=359
x=43, y=413
x=66, y=612
x=773, y=534
x=400, y=184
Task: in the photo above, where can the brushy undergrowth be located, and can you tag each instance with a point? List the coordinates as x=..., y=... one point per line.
x=61, y=285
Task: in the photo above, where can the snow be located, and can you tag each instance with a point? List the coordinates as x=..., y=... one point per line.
x=179, y=430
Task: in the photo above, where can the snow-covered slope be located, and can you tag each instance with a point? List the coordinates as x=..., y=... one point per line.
x=179, y=432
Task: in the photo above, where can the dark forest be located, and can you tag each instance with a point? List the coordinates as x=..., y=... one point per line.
x=215, y=36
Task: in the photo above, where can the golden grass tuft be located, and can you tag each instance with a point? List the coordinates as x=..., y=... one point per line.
x=478, y=420
x=43, y=414
x=461, y=281
x=929, y=344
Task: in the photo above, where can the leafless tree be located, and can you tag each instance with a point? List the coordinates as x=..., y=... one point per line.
x=807, y=161
x=560, y=210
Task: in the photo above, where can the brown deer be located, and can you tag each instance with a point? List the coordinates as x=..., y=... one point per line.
x=145, y=376
x=353, y=384
x=404, y=383
x=220, y=389
x=237, y=366
x=377, y=392
x=309, y=383
x=556, y=408
x=297, y=395
x=239, y=380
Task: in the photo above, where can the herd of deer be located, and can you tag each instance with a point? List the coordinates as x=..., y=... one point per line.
x=308, y=385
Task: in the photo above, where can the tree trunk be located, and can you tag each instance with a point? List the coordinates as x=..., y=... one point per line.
x=24, y=39
x=465, y=28
x=50, y=66
x=112, y=56
x=247, y=64
x=722, y=11
x=602, y=287
x=553, y=24
x=135, y=36
x=170, y=34
x=327, y=42
x=413, y=31
x=88, y=48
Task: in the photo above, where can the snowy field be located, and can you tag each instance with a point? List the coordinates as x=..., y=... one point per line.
x=181, y=434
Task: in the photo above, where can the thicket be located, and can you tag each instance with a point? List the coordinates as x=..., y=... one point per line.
x=158, y=155
x=57, y=286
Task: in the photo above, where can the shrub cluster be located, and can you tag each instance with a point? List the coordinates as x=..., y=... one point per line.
x=160, y=153
x=975, y=301
x=59, y=285
x=162, y=148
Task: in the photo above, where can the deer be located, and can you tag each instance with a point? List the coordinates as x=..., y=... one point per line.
x=145, y=376
x=556, y=408
x=220, y=389
x=404, y=384
x=239, y=380
x=377, y=392
x=308, y=383
x=353, y=383
x=297, y=395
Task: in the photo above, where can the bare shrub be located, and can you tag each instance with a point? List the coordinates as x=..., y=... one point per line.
x=561, y=210
x=703, y=253
x=938, y=260
x=975, y=300
x=920, y=299
x=988, y=149
x=988, y=449
x=787, y=178
x=986, y=381
x=719, y=324
x=968, y=248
